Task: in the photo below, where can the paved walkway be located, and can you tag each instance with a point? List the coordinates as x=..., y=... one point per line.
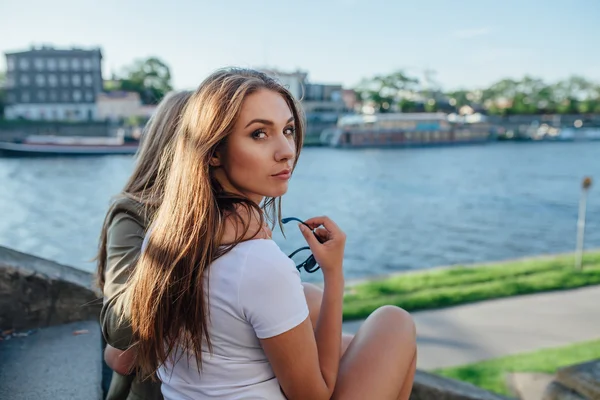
x=495, y=328
x=53, y=363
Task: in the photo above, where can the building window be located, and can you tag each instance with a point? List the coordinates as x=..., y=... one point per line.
x=52, y=81
x=25, y=97
x=76, y=79
x=39, y=63
x=53, y=96
x=89, y=96
x=51, y=64
x=75, y=63
x=24, y=80
x=77, y=95
x=65, y=96
x=11, y=98
x=10, y=63
x=64, y=80
x=41, y=95
x=63, y=64
x=40, y=80
x=87, y=64
x=24, y=64
x=88, y=80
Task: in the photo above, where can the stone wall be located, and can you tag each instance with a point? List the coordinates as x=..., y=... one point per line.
x=433, y=387
x=35, y=292
x=576, y=382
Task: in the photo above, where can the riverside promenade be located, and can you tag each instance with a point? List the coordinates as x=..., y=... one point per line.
x=495, y=328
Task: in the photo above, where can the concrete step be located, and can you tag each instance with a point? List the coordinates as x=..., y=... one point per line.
x=53, y=363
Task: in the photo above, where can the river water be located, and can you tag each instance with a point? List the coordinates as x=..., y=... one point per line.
x=402, y=209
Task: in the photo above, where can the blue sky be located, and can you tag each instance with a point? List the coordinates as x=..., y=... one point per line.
x=468, y=43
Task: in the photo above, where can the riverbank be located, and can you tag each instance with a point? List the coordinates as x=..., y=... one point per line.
x=445, y=287
x=492, y=374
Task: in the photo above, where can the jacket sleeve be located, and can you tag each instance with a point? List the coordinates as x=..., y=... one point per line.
x=124, y=240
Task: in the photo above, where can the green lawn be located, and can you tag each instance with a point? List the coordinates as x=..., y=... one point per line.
x=459, y=285
x=491, y=374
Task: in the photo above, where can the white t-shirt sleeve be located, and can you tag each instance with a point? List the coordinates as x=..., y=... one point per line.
x=271, y=295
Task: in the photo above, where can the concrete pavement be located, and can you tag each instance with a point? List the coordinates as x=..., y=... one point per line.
x=495, y=328
x=53, y=363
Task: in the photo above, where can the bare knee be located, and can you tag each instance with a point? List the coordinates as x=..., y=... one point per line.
x=397, y=321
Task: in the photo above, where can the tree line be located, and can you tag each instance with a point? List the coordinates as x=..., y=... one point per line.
x=400, y=91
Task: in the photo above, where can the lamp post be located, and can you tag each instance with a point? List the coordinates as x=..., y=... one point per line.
x=586, y=184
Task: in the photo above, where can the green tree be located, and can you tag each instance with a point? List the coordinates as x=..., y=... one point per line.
x=459, y=98
x=151, y=78
x=408, y=105
x=528, y=95
x=387, y=91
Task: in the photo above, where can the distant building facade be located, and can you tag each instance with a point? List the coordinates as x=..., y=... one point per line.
x=53, y=84
x=293, y=81
x=117, y=106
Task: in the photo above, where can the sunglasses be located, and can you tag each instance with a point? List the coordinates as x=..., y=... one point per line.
x=310, y=264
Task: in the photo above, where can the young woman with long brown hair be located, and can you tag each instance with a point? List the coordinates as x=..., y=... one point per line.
x=217, y=309
x=121, y=240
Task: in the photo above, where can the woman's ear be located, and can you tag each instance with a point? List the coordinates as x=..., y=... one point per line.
x=215, y=159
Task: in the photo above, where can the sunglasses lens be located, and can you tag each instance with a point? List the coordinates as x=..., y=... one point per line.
x=311, y=264
x=300, y=257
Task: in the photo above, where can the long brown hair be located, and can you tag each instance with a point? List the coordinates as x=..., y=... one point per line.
x=169, y=289
x=143, y=191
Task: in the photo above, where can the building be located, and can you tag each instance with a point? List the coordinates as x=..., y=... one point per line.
x=293, y=81
x=351, y=99
x=118, y=106
x=53, y=84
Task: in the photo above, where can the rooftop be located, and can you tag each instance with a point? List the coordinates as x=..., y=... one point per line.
x=50, y=50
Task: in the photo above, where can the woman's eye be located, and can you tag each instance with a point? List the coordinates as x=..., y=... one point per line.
x=290, y=130
x=260, y=134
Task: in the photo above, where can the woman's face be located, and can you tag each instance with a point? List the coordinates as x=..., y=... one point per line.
x=259, y=153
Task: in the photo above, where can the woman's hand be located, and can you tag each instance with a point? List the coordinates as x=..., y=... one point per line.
x=327, y=242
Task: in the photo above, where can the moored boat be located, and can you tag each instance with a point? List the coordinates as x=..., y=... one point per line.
x=40, y=145
x=406, y=130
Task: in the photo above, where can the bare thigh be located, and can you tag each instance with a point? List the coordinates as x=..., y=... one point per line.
x=380, y=361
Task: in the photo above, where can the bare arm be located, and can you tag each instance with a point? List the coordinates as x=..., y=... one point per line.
x=306, y=362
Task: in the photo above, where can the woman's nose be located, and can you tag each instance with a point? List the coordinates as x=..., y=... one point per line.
x=286, y=149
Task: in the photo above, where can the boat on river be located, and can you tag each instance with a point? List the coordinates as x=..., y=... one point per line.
x=407, y=130
x=41, y=145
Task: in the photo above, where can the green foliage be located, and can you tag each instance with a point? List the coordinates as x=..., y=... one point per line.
x=402, y=92
x=151, y=78
x=459, y=285
x=491, y=374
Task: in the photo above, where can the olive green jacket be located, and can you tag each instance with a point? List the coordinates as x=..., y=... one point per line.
x=124, y=242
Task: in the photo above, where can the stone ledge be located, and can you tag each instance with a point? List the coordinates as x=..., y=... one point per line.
x=35, y=292
x=428, y=386
x=582, y=380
